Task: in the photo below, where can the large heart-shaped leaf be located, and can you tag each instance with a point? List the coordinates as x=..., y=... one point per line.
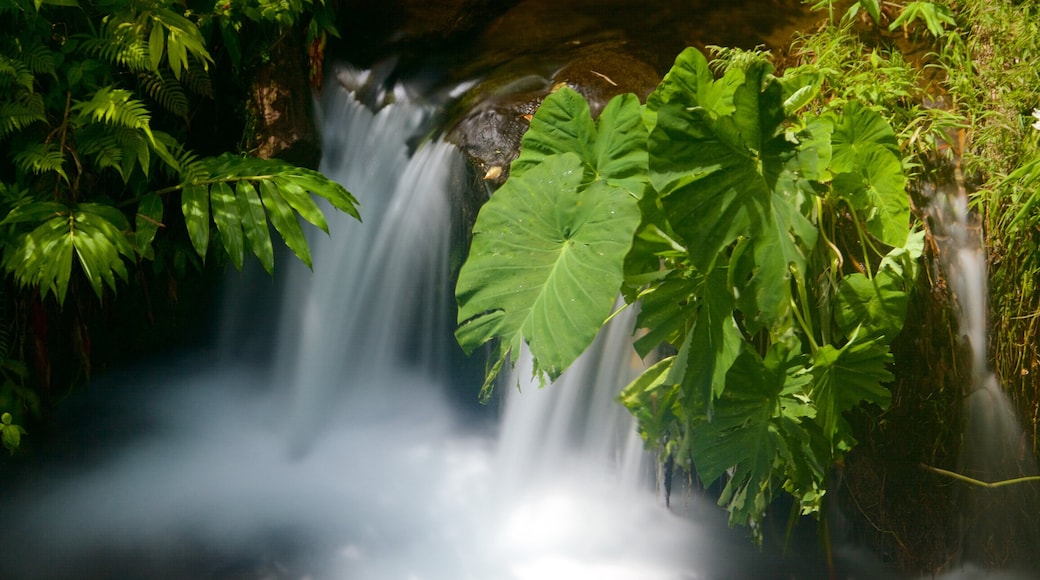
x=612, y=149
x=545, y=265
x=716, y=175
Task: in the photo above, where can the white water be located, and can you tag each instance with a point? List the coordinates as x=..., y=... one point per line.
x=995, y=523
x=340, y=457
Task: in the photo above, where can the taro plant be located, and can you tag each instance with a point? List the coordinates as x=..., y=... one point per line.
x=769, y=250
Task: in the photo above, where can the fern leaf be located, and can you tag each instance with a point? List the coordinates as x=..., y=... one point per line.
x=165, y=91
x=14, y=71
x=117, y=44
x=40, y=60
x=198, y=82
x=15, y=116
x=38, y=158
x=117, y=107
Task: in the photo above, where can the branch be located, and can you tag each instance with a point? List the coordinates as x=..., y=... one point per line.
x=980, y=483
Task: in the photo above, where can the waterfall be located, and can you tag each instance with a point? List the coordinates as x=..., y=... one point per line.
x=319, y=442
x=997, y=525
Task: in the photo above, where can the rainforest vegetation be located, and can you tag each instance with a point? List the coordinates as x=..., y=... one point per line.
x=760, y=220
x=115, y=171
x=766, y=212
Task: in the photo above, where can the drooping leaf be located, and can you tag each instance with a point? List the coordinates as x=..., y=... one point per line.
x=95, y=233
x=284, y=221
x=301, y=201
x=156, y=45
x=195, y=207
x=710, y=347
x=740, y=437
x=254, y=223
x=655, y=403
x=229, y=221
x=545, y=265
x=147, y=223
x=844, y=377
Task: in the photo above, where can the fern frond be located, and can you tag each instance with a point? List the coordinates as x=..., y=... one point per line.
x=119, y=46
x=15, y=115
x=40, y=59
x=165, y=91
x=15, y=72
x=116, y=107
x=198, y=82
x=115, y=147
x=40, y=158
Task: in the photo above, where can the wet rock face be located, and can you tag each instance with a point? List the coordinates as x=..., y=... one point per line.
x=490, y=129
x=514, y=52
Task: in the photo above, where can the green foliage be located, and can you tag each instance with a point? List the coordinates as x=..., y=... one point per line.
x=769, y=250
x=94, y=100
x=536, y=246
x=10, y=433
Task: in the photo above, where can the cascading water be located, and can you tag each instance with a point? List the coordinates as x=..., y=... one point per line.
x=997, y=525
x=336, y=455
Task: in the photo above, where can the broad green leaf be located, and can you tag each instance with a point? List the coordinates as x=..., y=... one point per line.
x=229, y=221
x=799, y=87
x=740, y=436
x=877, y=305
x=562, y=123
x=858, y=128
x=613, y=149
x=34, y=212
x=545, y=265
x=710, y=347
x=842, y=378
x=147, y=223
x=284, y=220
x=877, y=190
x=690, y=83
x=868, y=172
x=655, y=403
x=195, y=207
x=99, y=247
x=254, y=223
x=780, y=249
x=665, y=311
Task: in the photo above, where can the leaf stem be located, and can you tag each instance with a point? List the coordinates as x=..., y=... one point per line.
x=980, y=483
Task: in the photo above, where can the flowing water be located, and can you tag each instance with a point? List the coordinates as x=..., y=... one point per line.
x=997, y=525
x=321, y=441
